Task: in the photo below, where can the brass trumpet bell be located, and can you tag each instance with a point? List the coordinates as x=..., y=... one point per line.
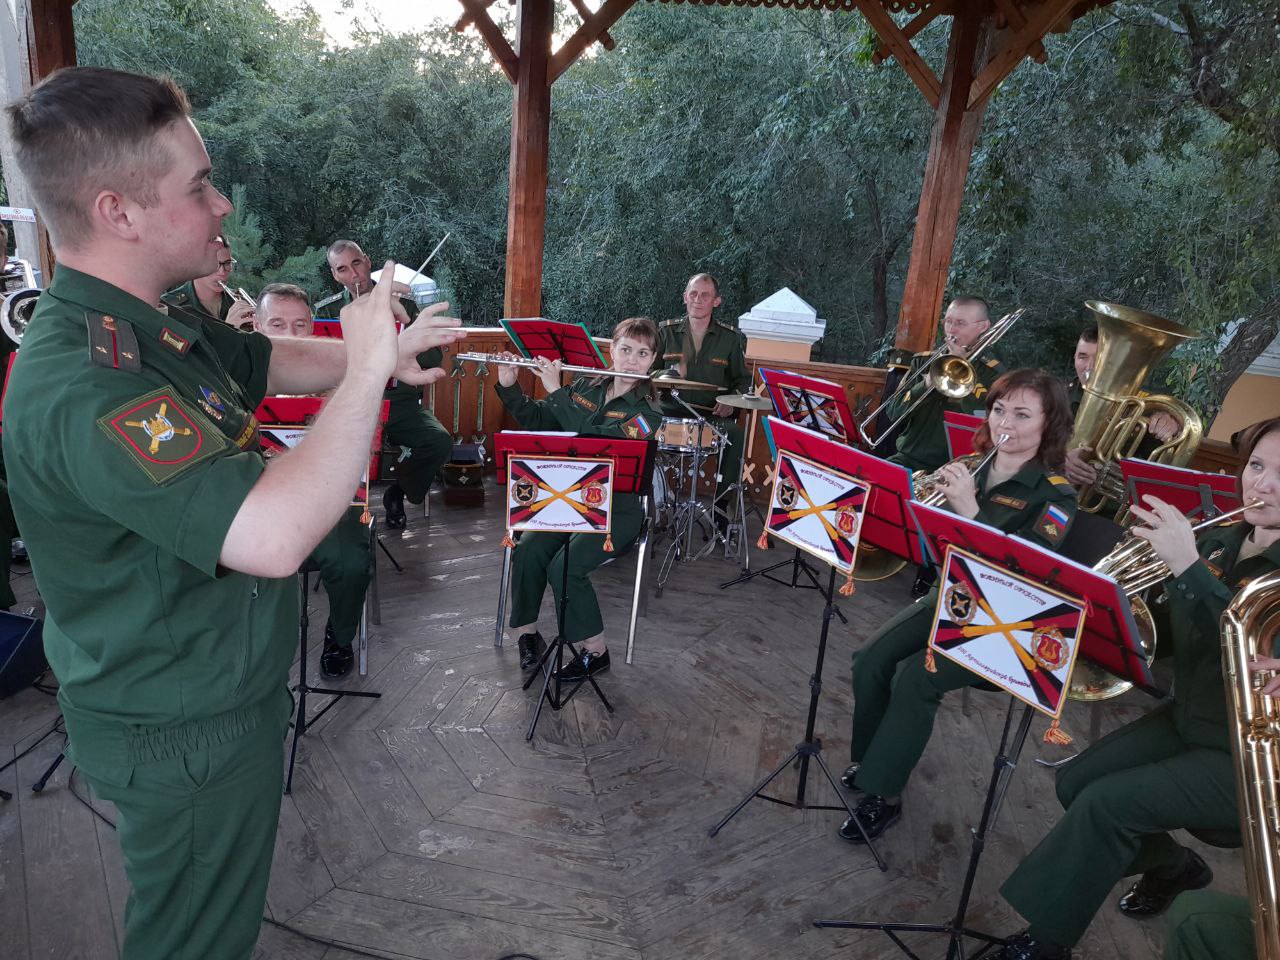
x=1090, y=683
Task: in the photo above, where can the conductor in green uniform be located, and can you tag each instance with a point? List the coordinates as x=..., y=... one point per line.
x=409, y=424
x=897, y=688
x=922, y=442
x=1171, y=769
x=164, y=547
x=708, y=351
x=284, y=310
x=609, y=406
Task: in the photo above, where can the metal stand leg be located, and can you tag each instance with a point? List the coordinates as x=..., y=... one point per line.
x=504, y=585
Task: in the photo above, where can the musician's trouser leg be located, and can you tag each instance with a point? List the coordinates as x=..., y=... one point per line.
x=410, y=425
x=1122, y=796
x=1209, y=925
x=343, y=558
x=539, y=559
x=8, y=530
x=907, y=725
x=197, y=832
x=731, y=455
x=876, y=664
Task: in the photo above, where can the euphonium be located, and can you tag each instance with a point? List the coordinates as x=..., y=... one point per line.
x=1249, y=628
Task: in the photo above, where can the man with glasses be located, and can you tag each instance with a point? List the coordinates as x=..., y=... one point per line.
x=205, y=294
x=922, y=442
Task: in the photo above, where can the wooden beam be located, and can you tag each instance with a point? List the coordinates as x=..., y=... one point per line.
x=906, y=54
x=530, y=141
x=1015, y=19
x=1016, y=47
x=584, y=12
x=923, y=19
x=492, y=37
x=466, y=19
x=587, y=34
x=955, y=130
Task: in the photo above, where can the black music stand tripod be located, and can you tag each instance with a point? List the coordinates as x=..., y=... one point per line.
x=954, y=929
x=810, y=747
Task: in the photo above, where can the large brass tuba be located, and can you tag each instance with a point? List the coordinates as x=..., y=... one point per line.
x=20, y=296
x=1249, y=628
x=1112, y=419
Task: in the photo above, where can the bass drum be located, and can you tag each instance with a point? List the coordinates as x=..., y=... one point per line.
x=662, y=499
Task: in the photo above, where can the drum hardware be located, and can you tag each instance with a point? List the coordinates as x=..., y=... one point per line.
x=745, y=401
x=670, y=379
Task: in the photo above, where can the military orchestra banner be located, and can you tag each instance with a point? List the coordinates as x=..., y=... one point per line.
x=559, y=494
x=817, y=509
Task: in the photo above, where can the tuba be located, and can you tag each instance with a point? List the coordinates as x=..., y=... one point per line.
x=19, y=302
x=1249, y=628
x=1113, y=418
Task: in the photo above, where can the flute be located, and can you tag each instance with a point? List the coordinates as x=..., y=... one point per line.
x=533, y=365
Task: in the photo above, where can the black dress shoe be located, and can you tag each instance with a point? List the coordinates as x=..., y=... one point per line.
x=336, y=661
x=531, y=646
x=1151, y=895
x=393, y=504
x=876, y=816
x=1023, y=946
x=587, y=665
x=925, y=578
x=847, y=778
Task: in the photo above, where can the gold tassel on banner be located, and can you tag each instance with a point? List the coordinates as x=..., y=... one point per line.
x=763, y=542
x=930, y=663
x=366, y=516
x=608, y=543
x=1056, y=735
x=847, y=588
x=507, y=541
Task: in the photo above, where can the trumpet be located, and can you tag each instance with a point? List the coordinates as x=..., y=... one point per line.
x=498, y=358
x=240, y=295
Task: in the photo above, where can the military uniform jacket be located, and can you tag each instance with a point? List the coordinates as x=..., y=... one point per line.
x=584, y=407
x=131, y=445
x=721, y=361
x=1075, y=393
x=922, y=445
x=1034, y=504
x=185, y=298
x=1195, y=602
x=401, y=393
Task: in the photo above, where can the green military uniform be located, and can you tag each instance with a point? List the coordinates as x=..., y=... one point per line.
x=131, y=445
x=1075, y=394
x=895, y=697
x=922, y=444
x=409, y=424
x=8, y=526
x=1169, y=770
x=582, y=407
x=721, y=361
x=186, y=298
x=345, y=570
x=1209, y=925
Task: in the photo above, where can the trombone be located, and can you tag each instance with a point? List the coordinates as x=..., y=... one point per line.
x=953, y=377
x=498, y=358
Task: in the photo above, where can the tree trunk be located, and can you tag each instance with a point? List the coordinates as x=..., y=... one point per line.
x=1252, y=336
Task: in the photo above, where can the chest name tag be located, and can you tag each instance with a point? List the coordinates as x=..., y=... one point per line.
x=161, y=436
x=720, y=361
x=615, y=414
x=582, y=401
x=1012, y=502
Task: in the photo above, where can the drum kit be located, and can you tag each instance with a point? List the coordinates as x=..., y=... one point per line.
x=685, y=444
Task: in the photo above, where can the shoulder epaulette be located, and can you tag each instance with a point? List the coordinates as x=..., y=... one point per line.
x=922, y=354
x=725, y=326
x=112, y=343
x=672, y=322
x=992, y=362
x=175, y=297
x=1057, y=480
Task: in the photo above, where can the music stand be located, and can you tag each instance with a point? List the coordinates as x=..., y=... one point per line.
x=818, y=506
x=1107, y=635
x=568, y=342
x=1199, y=495
x=960, y=429
x=631, y=472
x=810, y=402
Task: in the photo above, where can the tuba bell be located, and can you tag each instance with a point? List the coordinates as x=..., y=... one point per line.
x=15, y=313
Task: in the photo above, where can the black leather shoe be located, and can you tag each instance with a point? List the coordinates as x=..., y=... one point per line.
x=336, y=661
x=1151, y=895
x=1023, y=946
x=531, y=646
x=847, y=778
x=876, y=816
x=588, y=665
x=925, y=578
x=393, y=504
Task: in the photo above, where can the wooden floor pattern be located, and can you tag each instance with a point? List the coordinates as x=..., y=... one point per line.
x=423, y=825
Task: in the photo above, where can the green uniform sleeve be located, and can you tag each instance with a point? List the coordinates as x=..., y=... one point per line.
x=180, y=493
x=1199, y=598
x=245, y=356
x=529, y=413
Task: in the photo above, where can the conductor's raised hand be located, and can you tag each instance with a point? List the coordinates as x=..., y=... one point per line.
x=431, y=329
x=1168, y=532
x=369, y=331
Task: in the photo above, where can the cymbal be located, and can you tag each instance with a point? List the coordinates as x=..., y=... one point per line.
x=664, y=382
x=745, y=401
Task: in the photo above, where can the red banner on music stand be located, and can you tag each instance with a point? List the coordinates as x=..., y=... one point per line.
x=809, y=402
x=283, y=422
x=960, y=429
x=1109, y=637
x=886, y=525
x=567, y=342
x=632, y=459
x=327, y=329
x=1198, y=495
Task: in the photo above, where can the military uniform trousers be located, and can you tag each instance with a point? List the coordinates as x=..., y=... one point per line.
x=1121, y=797
x=197, y=831
x=539, y=559
x=1209, y=925
x=345, y=570
x=411, y=425
x=895, y=699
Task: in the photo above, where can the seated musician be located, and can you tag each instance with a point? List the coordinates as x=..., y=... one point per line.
x=1171, y=769
x=896, y=694
x=206, y=296
x=596, y=405
x=1086, y=351
x=708, y=351
x=409, y=425
x=284, y=310
x=922, y=442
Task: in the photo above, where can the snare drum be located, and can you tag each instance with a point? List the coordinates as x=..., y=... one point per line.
x=687, y=436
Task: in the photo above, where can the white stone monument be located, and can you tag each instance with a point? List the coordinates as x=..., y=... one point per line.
x=781, y=327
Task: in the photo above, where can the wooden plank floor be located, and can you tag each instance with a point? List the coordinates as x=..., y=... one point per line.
x=423, y=825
